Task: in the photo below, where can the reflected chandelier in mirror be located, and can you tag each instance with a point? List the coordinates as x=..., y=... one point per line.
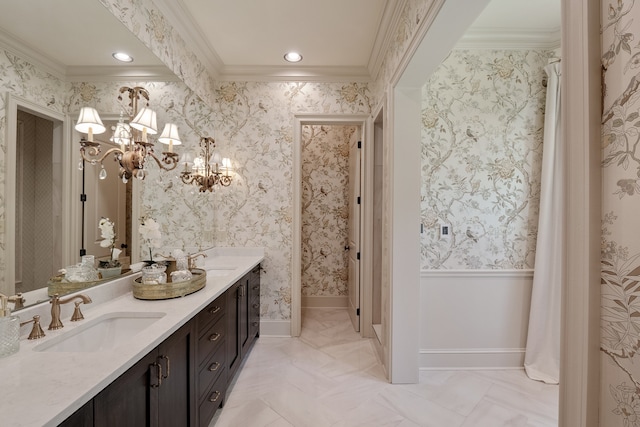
x=135, y=148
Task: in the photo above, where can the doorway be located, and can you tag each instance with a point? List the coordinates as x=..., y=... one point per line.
x=330, y=162
x=38, y=202
x=332, y=248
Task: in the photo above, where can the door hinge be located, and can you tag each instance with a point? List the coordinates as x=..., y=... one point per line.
x=359, y=144
x=358, y=199
x=83, y=197
x=358, y=255
x=357, y=312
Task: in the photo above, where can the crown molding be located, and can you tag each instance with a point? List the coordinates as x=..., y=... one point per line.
x=177, y=15
x=386, y=28
x=120, y=74
x=19, y=48
x=509, y=38
x=84, y=73
x=299, y=74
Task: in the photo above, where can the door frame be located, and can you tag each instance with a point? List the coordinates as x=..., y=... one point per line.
x=362, y=120
x=60, y=132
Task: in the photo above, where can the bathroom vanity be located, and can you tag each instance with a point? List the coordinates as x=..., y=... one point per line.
x=172, y=369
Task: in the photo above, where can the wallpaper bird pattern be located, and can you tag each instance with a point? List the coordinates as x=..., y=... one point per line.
x=325, y=209
x=482, y=122
x=620, y=285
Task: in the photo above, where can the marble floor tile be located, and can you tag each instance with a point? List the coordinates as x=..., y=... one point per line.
x=331, y=377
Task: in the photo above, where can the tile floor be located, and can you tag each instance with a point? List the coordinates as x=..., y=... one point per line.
x=329, y=376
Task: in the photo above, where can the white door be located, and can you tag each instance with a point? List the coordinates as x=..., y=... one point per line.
x=353, y=245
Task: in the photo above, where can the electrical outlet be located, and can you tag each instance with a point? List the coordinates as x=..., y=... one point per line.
x=445, y=231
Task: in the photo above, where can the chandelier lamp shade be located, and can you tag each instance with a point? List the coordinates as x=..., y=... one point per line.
x=133, y=149
x=208, y=169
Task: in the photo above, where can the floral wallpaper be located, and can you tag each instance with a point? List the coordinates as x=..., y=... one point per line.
x=254, y=127
x=252, y=122
x=620, y=284
x=325, y=209
x=482, y=118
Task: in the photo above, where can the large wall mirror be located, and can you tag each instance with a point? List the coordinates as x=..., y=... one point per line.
x=46, y=225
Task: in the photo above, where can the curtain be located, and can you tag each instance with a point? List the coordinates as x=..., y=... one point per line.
x=542, y=354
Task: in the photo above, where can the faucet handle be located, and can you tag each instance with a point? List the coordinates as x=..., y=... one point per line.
x=36, y=330
x=18, y=300
x=77, y=314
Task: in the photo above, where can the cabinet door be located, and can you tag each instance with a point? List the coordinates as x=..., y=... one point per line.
x=243, y=315
x=128, y=401
x=233, y=329
x=176, y=394
x=83, y=417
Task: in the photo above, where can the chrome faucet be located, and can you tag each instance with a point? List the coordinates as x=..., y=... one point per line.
x=192, y=259
x=56, y=301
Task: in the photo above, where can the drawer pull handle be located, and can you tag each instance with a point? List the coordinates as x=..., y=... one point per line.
x=256, y=306
x=254, y=324
x=213, y=399
x=168, y=366
x=214, y=337
x=158, y=377
x=256, y=288
x=214, y=310
x=214, y=367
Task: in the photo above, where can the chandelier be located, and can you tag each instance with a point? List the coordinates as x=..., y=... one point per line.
x=134, y=147
x=208, y=169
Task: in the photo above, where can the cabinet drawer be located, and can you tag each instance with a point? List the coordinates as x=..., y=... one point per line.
x=211, y=370
x=210, y=314
x=210, y=340
x=214, y=398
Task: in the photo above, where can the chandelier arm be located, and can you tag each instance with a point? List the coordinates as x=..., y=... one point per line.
x=168, y=159
x=93, y=152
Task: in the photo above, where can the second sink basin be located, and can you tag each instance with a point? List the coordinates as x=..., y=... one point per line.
x=103, y=333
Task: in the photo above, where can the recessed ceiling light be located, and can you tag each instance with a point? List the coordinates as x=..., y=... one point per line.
x=123, y=57
x=293, y=57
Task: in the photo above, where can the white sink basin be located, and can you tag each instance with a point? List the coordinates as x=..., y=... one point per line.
x=103, y=333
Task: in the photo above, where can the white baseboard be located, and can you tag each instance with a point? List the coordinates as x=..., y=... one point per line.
x=325, y=302
x=275, y=328
x=480, y=358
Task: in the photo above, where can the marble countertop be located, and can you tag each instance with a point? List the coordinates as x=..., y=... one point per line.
x=45, y=388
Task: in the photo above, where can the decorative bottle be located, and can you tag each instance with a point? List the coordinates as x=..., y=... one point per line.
x=9, y=329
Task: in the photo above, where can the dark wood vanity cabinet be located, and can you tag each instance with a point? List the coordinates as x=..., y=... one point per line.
x=156, y=391
x=184, y=381
x=212, y=358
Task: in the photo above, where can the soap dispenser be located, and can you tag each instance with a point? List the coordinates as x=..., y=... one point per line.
x=9, y=329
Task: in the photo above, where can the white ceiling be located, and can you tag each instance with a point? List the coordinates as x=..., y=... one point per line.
x=241, y=38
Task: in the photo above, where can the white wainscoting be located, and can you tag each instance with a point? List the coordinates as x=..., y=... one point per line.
x=474, y=319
